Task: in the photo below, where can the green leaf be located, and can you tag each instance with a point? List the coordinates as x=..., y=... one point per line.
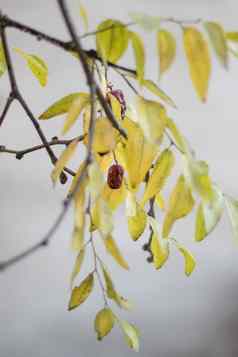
x=37, y=66
x=161, y=171
x=153, y=88
x=147, y=22
x=232, y=208
x=209, y=214
x=232, y=36
x=181, y=203
x=75, y=110
x=111, y=40
x=61, y=106
x=218, y=40
x=3, y=66
x=104, y=323
x=166, y=50
x=81, y=293
x=139, y=55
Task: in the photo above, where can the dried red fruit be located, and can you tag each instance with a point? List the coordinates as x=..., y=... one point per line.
x=115, y=176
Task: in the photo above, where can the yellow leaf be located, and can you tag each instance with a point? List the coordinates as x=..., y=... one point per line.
x=3, y=66
x=114, y=251
x=159, y=250
x=37, y=66
x=139, y=55
x=209, y=214
x=115, y=105
x=161, y=171
x=114, y=198
x=104, y=161
x=96, y=180
x=232, y=207
x=151, y=117
x=166, y=50
x=138, y=153
x=131, y=334
x=63, y=160
x=82, y=292
x=218, y=40
x=103, y=323
x=75, y=110
x=102, y=217
x=232, y=36
x=159, y=200
x=111, y=40
x=181, y=203
x=112, y=293
x=137, y=222
x=189, y=260
x=177, y=135
x=61, y=106
x=77, y=266
x=153, y=88
x=84, y=15
x=197, y=53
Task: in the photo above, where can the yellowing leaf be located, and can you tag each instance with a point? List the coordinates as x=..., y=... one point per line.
x=232, y=207
x=159, y=250
x=137, y=222
x=131, y=334
x=84, y=15
x=82, y=292
x=61, y=106
x=159, y=200
x=166, y=50
x=197, y=53
x=115, y=105
x=102, y=217
x=138, y=153
x=181, y=203
x=161, y=171
x=209, y=214
x=96, y=180
x=63, y=160
x=111, y=40
x=153, y=88
x=114, y=198
x=232, y=36
x=189, y=260
x=104, y=323
x=147, y=22
x=112, y=293
x=218, y=40
x=114, y=251
x=3, y=66
x=77, y=266
x=75, y=110
x=37, y=66
x=139, y=55
x=151, y=117
x=177, y=135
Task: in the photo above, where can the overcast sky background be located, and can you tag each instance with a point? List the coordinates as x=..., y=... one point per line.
x=178, y=317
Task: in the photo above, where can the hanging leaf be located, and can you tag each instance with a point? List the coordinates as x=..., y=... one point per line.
x=3, y=66
x=159, y=247
x=81, y=293
x=232, y=208
x=96, y=180
x=114, y=251
x=139, y=55
x=218, y=39
x=37, y=66
x=147, y=22
x=197, y=53
x=114, y=198
x=63, y=160
x=84, y=16
x=209, y=214
x=102, y=217
x=104, y=323
x=75, y=110
x=159, y=200
x=232, y=36
x=177, y=135
x=131, y=334
x=153, y=88
x=77, y=266
x=189, y=260
x=166, y=50
x=181, y=203
x=137, y=223
x=151, y=117
x=61, y=106
x=112, y=40
x=161, y=171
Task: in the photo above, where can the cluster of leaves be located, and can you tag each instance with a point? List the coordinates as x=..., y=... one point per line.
x=133, y=172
